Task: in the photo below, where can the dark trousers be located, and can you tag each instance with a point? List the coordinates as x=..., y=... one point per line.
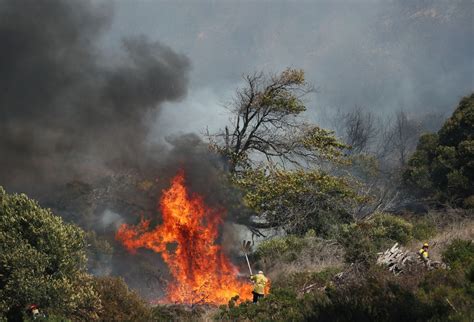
x=256, y=297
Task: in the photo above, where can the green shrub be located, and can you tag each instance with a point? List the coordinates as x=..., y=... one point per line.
x=280, y=305
x=364, y=239
x=388, y=228
x=285, y=248
x=423, y=229
x=372, y=294
x=469, y=202
x=459, y=253
x=450, y=293
x=176, y=313
x=297, y=281
x=42, y=261
x=372, y=297
x=357, y=243
x=119, y=302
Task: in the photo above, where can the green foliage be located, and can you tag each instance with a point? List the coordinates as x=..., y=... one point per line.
x=298, y=280
x=369, y=295
x=298, y=200
x=364, y=239
x=119, y=303
x=266, y=121
x=99, y=251
x=423, y=229
x=390, y=228
x=442, y=168
x=323, y=143
x=266, y=139
x=449, y=293
x=459, y=253
x=469, y=202
x=372, y=296
x=280, y=305
x=176, y=313
x=47, y=318
x=357, y=243
x=282, y=248
x=42, y=261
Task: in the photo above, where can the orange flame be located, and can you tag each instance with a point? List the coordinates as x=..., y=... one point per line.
x=201, y=271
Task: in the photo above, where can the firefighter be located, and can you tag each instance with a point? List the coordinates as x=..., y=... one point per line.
x=259, y=281
x=423, y=252
x=34, y=311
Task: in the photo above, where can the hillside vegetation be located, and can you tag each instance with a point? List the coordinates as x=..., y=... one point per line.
x=332, y=219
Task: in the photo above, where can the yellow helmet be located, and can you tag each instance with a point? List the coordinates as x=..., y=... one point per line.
x=425, y=245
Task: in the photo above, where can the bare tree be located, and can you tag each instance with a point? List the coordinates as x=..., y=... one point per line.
x=358, y=128
x=403, y=137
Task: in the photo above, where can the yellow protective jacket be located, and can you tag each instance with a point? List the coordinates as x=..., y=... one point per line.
x=423, y=253
x=259, y=281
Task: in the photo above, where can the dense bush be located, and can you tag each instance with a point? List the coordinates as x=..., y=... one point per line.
x=280, y=305
x=178, y=313
x=389, y=228
x=289, y=253
x=298, y=280
x=423, y=229
x=442, y=168
x=362, y=240
x=283, y=248
x=119, y=302
x=459, y=253
x=374, y=296
x=370, y=295
x=42, y=261
x=299, y=200
x=451, y=292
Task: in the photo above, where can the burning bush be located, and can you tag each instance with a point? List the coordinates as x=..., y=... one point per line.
x=201, y=272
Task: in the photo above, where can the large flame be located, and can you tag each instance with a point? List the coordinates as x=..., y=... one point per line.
x=187, y=242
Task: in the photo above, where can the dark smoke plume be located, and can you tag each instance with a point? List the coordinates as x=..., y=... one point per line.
x=67, y=109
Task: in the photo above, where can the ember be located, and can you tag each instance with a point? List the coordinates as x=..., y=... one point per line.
x=202, y=274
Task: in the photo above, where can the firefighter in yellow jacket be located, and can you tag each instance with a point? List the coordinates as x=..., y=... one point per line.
x=259, y=281
x=423, y=252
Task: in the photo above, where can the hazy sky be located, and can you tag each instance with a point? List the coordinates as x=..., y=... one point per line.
x=384, y=55
x=87, y=84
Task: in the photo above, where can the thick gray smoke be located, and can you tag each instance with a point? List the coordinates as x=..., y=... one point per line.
x=384, y=55
x=68, y=109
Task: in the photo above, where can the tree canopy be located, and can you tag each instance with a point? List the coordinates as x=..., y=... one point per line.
x=282, y=163
x=265, y=124
x=442, y=168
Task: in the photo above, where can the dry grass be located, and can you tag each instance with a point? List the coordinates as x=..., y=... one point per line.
x=319, y=255
x=452, y=225
x=209, y=314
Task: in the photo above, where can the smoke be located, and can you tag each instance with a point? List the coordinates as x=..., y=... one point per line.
x=110, y=218
x=67, y=108
x=384, y=55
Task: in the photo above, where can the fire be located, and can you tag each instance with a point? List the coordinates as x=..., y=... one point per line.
x=187, y=242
